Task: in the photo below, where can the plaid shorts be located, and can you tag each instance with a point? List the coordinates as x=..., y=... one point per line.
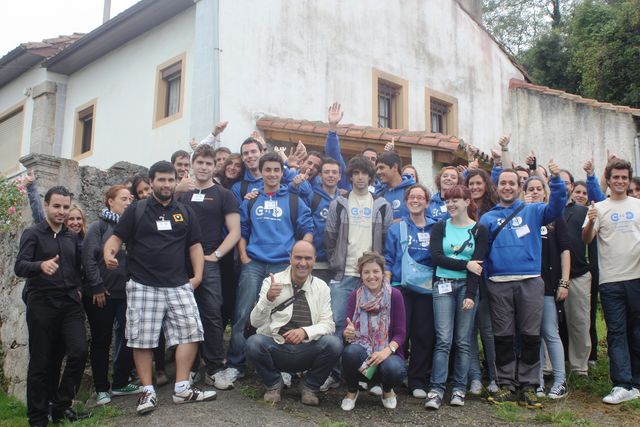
x=149, y=309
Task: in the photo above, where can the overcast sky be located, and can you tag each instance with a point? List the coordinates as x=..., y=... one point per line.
x=34, y=20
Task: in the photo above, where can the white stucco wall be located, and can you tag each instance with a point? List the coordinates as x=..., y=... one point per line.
x=568, y=132
x=293, y=58
x=124, y=82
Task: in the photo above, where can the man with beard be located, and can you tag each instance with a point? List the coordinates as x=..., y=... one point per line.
x=160, y=233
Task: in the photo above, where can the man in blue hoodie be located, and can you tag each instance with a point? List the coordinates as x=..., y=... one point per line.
x=515, y=288
x=270, y=225
x=251, y=150
x=392, y=183
x=322, y=195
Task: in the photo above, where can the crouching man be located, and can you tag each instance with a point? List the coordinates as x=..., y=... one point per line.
x=295, y=328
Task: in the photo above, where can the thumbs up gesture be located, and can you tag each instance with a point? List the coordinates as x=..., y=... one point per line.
x=50, y=266
x=274, y=289
x=110, y=260
x=592, y=213
x=185, y=185
x=349, y=332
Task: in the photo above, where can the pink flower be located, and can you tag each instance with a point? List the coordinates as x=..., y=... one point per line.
x=21, y=188
x=12, y=210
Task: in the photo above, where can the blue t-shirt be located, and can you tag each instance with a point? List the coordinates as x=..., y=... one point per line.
x=453, y=240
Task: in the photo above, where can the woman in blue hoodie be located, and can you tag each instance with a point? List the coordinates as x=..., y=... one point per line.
x=408, y=262
x=447, y=178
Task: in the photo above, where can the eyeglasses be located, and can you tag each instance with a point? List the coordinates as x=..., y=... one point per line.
x=419, y=198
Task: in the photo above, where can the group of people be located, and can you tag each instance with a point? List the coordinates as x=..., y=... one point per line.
x=327, y=269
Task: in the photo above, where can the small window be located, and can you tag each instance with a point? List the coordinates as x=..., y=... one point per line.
x=84, y=130
x=169, y=91
x=439, y=113
x=390, y=101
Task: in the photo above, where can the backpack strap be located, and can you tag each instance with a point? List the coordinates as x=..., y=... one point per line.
x=315, y=202
x=244, y=186
x=404, y=237
x=293, y=211
x=507, y=220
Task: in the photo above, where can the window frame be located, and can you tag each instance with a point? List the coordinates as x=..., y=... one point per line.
x=80, y=115
x=450, y=119
x=398, y=104
x=165, y=74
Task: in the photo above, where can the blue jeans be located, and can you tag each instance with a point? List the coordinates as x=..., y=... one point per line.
x=451, y=322
x=340, y=292
x=315, y=357
x=551, y=336
x=621, y=307
x=251, y=278
x=390, y=373
x=482, y=325
x=209, y=299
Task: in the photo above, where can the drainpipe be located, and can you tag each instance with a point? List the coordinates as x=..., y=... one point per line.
x=636, y=148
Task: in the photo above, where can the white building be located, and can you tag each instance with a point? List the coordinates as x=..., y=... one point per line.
x=144, y=83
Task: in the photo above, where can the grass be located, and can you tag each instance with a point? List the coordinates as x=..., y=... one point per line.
x=251, y=392
x=562, y=417
x=13, y=413
x=510, y=412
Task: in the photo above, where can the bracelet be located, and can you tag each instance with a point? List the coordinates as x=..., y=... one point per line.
x=562, y=283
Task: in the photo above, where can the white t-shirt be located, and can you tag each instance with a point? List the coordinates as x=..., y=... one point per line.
x=360, y=230
x=618, y=233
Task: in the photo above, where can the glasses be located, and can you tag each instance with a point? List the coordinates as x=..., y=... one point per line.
x=419, y=198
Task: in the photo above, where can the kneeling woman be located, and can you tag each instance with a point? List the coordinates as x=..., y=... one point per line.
x=458, y=246
x=375, y=332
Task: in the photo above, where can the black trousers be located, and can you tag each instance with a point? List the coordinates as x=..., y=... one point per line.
x=49, y=320
x=420, y=338
x=101, y=324
x=229, y=274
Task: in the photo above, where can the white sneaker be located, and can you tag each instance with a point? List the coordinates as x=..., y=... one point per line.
x=362, y=385
x=620, y=394
x=475, y=388
x=102, y=398
x=493, y=387
x=376, y=390
x=147, y=402
x=419, y=393
x=223, y=380
x=286, y=379
x=193, y=394
x=349, y=404
x=330, y=382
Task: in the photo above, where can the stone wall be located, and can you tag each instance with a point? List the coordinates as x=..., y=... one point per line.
x=88, y=184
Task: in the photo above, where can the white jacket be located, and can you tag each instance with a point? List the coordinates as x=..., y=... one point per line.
x=318, y=297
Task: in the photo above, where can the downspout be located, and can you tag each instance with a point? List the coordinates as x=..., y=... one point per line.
x=636, y=147
x=216, y=65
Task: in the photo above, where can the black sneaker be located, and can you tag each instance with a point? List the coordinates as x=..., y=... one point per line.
x=68, y=415
x=434, y=400
x=504, y=395
x=529, y=399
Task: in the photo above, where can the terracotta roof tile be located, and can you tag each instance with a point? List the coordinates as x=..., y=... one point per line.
x=364, y=133
x=521, y=84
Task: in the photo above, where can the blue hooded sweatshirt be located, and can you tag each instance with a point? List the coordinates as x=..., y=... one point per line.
x=395, y=196
x=319, y=219
x=594, y=192
x=269, y=233
x=517, y=249
x=255, y=183
x=437, y=208
x=419, y=251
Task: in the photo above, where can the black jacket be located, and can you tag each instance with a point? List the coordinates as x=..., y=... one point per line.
x=575, y=215
x=440, y=259
x=39, y=243
x=97, y=277
x=555, y=240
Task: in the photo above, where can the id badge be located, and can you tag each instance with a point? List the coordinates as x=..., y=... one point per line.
x=163, y=225
x=443, y=209
x=270, y=205
x=444, y=287
x=197, y=197
x=423, y=237
x=522, y=231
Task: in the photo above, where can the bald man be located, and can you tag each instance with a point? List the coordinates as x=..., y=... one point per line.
x=295, y=328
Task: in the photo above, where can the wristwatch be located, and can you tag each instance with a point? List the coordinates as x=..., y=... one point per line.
x=393, y=349
x=218, y=254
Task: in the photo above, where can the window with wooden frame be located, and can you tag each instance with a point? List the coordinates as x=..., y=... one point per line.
x=390, y=106
x=169, y=97
x=11, y=129
x=441, y=112
x=85, y=125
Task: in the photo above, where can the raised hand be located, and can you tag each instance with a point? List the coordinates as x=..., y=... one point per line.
x=275, y=289
x=193, y=143
x=219, y=128
x=504, y=140
x=588, y=167
x=29, y=178
x=335, y=115
x=349, y=332
x=390, y=146
x=50, y=266
x=530, y=160
x=185, y=185
x=553, y=168
x=592, y=213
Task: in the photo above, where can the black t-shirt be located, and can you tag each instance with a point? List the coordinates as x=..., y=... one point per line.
x=157, y=246
x=211, y=205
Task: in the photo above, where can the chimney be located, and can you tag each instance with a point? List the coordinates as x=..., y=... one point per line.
x=106, y=11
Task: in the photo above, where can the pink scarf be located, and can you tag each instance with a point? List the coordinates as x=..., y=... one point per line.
x=372, y=318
